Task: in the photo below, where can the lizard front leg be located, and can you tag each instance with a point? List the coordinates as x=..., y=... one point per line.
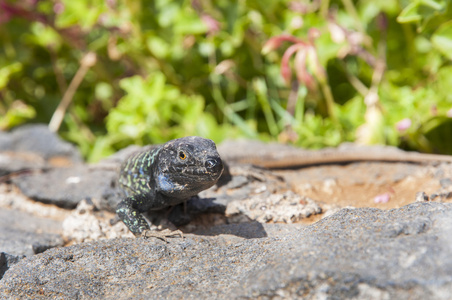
x=137, y=224
x=131, y=215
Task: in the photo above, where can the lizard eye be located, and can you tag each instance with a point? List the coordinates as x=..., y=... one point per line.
x=182, y=155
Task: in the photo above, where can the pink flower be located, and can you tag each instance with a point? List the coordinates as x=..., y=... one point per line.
x=383, y=198
x=403, y=125
x=213, y=26
x=299, y=7
x=286, y=72
x=58, y=8
x=306, y=61
x=276, y=42
x=111, y=3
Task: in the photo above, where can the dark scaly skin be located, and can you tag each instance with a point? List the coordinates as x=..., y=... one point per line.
x=166, y=176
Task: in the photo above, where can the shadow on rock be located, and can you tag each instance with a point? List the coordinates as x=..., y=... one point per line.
x=7, y=260
x=251, y=230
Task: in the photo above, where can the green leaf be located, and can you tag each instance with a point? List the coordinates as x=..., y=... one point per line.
x=168, y=14
x=438, y=131
x=45, y=36
x=442, y=39
x=157, y=46
x=17, y=113
x=421, y=10
x=84, y=13
x=434, y=4
x=190, y=25
x=7, y=71
x=410, y=13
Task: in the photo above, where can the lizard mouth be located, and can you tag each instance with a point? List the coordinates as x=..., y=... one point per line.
x=211, y=169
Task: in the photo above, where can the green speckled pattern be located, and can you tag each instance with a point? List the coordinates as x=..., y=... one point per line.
x=136, y=171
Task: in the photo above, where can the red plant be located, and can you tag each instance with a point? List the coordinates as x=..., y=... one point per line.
x=306, y=61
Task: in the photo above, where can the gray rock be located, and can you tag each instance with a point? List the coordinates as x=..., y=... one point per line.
x=86, y=224
x=24, y=234
x=66, y=187
x=7, y=260
x=34, y=147
x=356, y=253
x=13, y=162
x=184, y=213
x=38, y=139
x=287, y=207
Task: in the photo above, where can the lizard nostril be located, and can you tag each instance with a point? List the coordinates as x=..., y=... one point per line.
x=214, y=164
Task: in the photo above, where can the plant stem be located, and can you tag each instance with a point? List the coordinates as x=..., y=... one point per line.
x=87, y=62
x=329, y=100
x=262, y=96
x=324, y=5
x=354, y=81
x=62, y=85
x=293, y=97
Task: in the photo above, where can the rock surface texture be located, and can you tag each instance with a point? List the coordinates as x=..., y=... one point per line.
x=33, y=147
x=356, y=253
x=356, y=230
x=24, y=234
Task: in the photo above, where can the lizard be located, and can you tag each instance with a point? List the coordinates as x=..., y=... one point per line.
x=165, y=176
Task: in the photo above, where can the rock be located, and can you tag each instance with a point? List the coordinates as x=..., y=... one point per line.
x=7, y=260
x=115, y=160
x=421, y=197
x=85, y=223
x=12, y=162
x=267, y=154
x=50, y=170
x=34, y=147
x=287, y=207
x=12, y=199
x=66, y=187
x=363, y=253
x=24, y=234
x=38, y=139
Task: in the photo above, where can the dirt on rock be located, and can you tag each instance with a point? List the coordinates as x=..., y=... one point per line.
x=381, y=185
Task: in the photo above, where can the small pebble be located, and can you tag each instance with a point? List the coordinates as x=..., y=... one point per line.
x=421, y=197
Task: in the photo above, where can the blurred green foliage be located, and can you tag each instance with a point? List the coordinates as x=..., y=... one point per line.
x=313, y=73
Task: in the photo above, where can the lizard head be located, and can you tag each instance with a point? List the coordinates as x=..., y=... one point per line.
x=187, y=166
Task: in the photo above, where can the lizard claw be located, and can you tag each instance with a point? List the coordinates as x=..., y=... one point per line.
x=162, y=234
